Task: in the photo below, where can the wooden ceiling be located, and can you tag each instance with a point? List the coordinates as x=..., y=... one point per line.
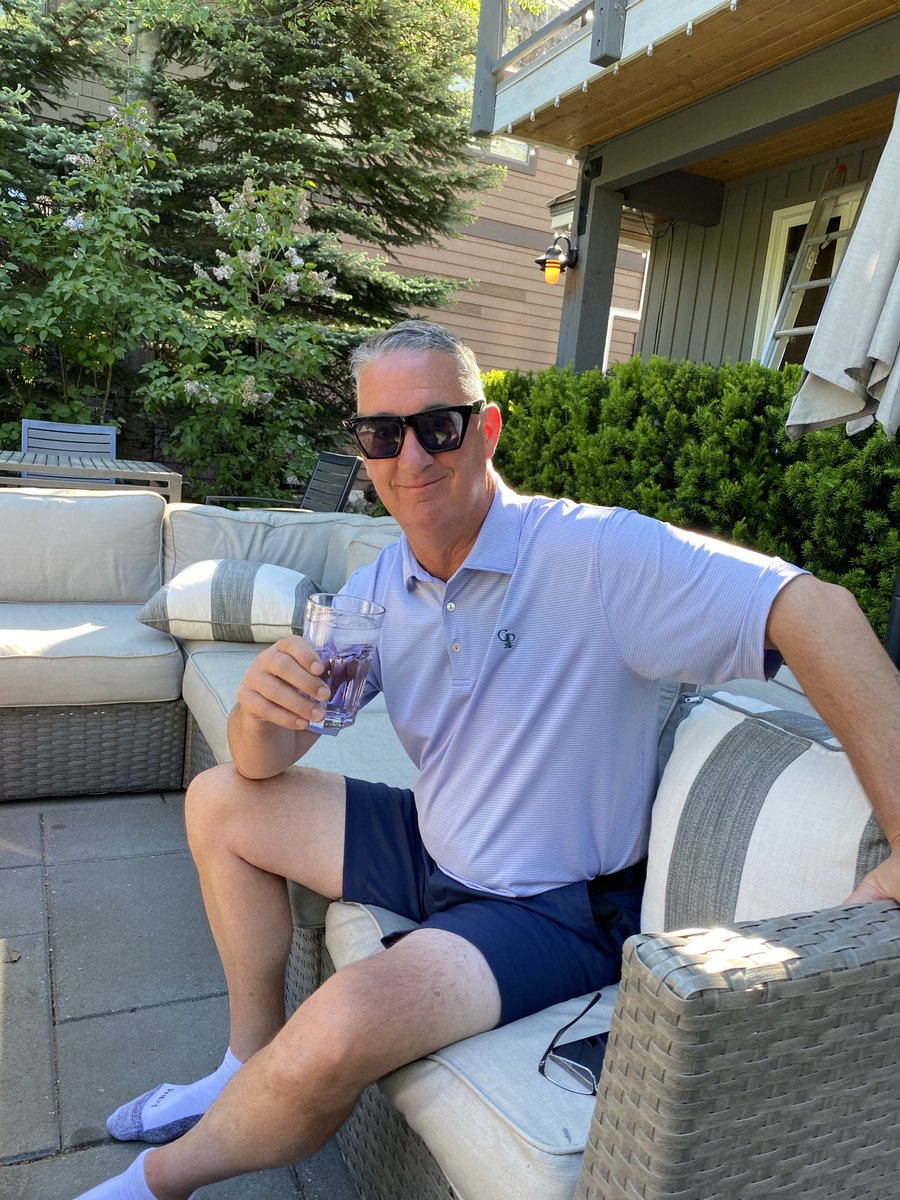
x=829, y=133
x=724, y=49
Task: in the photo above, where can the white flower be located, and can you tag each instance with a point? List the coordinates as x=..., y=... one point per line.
x=290, y=281
x=223, y=273
x=251, y=257
x=326, y=282
x=74, y=223
x=199, y=272
x=294, y=258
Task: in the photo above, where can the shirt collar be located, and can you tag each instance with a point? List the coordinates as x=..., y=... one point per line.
x=496, y=547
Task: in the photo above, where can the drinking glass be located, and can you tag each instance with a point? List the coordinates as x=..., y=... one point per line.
x=343, y=631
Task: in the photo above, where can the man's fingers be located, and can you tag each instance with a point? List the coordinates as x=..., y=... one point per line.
x=284, y=686
x=883, y=883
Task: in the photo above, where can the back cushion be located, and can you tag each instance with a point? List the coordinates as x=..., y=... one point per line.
x=758, y=814
x=312, y=543
x=75, y=545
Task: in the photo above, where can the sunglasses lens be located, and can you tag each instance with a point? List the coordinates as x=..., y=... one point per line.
x=440, y=430
x=379, y=437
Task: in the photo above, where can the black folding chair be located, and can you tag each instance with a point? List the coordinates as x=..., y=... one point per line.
x=327, y=489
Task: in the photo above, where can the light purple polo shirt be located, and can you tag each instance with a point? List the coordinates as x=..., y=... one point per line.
x=525, y=687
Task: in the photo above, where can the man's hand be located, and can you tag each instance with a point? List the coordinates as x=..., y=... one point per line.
x=279, y=695
x=883, y=883
x=282, y=685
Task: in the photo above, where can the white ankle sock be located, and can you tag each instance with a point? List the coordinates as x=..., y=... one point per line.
x=130, y=1185
x=170, y=1110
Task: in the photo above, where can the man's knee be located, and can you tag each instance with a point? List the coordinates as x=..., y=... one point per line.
x=207, y=798
x=329, y=1039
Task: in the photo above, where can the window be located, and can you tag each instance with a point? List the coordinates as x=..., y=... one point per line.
x=785, y=239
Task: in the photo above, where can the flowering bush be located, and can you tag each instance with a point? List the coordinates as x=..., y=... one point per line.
x=78, y=282
x=230, y=376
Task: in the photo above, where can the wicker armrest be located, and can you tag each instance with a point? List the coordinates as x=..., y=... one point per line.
x=758, y=1060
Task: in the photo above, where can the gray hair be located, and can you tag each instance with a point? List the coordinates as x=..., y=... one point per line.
x=421, y=337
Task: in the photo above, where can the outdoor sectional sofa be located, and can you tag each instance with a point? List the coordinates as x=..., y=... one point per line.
x=751, y=1053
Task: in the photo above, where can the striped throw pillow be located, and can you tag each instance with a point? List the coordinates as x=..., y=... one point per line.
x=758, y=814
x=229, y=600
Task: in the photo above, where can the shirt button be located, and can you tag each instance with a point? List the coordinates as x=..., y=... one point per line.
x=451, y=606
x=456, y=646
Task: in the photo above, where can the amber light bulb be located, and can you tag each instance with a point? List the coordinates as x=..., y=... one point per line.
x=551, y=270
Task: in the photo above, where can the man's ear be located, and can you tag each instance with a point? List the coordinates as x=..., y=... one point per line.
x=492, y=424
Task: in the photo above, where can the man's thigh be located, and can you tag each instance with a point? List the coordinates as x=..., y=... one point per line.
x=291, y=825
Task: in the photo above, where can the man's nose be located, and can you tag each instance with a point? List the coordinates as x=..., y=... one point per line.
x=411, y=449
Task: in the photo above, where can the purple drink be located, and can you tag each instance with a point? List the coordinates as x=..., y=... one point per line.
x=343, y=631
x=345, y=673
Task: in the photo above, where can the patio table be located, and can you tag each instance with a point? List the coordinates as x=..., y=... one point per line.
x=14, y=464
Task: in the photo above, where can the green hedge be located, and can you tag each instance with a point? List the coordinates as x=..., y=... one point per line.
x=705, y=448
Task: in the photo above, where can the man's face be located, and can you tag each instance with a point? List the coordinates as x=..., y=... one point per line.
x=446, y=494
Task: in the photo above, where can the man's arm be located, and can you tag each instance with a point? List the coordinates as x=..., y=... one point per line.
x=277, y=698
x=827, y=642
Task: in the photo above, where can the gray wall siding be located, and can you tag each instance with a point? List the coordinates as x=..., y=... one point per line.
x=704, y=287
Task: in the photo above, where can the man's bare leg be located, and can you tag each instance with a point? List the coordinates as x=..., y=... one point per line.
x=428, y=990
x=246, y=836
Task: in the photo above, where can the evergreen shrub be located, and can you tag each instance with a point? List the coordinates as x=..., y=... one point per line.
x=705, y=448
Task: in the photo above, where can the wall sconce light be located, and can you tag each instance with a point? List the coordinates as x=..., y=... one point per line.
x=556, y=258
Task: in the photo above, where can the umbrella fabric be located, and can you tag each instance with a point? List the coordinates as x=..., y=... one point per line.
x=854, y=372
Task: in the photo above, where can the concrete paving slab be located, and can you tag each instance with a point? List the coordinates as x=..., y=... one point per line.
x=129, y=933
x=20, y=836
x=64, y=1175
x=28, y=1121
x=22, y=901
x=116, y=829
x=68, y=1175
x=107, y=1061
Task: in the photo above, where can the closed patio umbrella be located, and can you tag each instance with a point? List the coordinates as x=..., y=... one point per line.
x=853, y=361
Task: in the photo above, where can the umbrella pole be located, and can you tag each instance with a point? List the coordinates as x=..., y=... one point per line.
x=892, y=637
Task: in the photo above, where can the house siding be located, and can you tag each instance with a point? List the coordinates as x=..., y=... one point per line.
x=705, y=284
x=506, y=312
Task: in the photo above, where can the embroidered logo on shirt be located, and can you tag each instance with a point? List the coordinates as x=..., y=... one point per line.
x=506, y=638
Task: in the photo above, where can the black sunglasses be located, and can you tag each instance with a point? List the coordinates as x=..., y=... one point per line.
x=438, y=430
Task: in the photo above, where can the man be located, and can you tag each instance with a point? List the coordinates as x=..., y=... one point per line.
x=519, y=661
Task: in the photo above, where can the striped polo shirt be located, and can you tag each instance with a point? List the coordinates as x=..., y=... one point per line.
x=525, y=687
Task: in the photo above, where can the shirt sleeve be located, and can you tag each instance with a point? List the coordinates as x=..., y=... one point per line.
x=685, y=606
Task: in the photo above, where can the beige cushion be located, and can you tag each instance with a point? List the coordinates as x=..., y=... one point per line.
x=52, y=654
x=228, y=600
x=369, y=749
x=313, y=543
x=758, y=814
x=530, y=1134
x=74, y=545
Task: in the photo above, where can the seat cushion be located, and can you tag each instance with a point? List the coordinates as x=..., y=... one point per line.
x=758, y=814
x=78, y=546
x=369, y=749
x=315, y=543
x=52, y=654
x=531, y=1134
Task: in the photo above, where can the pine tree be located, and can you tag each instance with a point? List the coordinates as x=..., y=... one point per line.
x=361, y=100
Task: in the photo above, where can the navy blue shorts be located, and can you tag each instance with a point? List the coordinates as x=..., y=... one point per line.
x=541, y=949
